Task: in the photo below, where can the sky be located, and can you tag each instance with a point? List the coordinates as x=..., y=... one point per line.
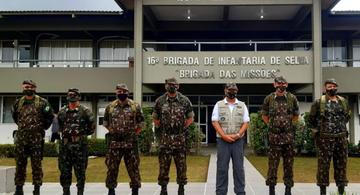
x=59, y=5
x=347, y=5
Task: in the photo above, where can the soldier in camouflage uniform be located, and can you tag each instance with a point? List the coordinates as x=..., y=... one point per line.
x=172, y=115
x=328, y=118
x=124, y=120
x=33, y=115
x=280, y=109
x=76, y=122
x=230, y=119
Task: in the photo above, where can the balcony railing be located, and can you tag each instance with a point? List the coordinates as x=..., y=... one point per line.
x=230, y=46
x=341, y=63
x=28, y=63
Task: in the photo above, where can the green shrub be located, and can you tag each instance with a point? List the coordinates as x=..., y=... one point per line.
x=97, y=147
x=194, y=138
x=308, y=142
x=50, y=150
x=7, y=150
x=146, y=137
x=258, y=133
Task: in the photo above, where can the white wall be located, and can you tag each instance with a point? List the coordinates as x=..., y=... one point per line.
x=6, y=131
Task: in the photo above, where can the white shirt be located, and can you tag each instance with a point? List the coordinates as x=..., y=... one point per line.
x=215, y=113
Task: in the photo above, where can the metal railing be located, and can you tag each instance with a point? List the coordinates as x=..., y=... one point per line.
x=199, y=45
x=64, y=63
x=341, y=63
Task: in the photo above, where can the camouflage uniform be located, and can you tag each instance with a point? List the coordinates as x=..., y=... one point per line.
x=331, y=138
x=172, y=113
x=74, y=125
x=33, y=117
x=281, y=136
x=122, y=120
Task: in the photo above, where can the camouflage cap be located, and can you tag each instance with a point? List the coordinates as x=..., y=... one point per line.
x=122, y=86
x=231, y=85
x=331, y=81
x=171, y=81
x=29, y=82
x=74, y=90
x=280, y=79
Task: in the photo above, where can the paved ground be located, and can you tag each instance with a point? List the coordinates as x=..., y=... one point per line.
x=255, y=185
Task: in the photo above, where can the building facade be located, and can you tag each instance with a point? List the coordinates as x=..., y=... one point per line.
x=202, y=43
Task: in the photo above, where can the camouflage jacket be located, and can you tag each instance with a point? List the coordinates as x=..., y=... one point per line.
x=333, y=118
x=281, y=110
x=76, y=122
x=34, y=115
x=172, y=113
x=123, y=119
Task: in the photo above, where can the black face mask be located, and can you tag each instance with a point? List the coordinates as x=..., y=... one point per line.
x=171, y=89
x=331, y=92
x=231, y=95
x=281, y=89
x=122, y=96
x=28, y=92
x=72, y=98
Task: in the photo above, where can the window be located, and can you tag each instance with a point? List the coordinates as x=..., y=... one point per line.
x=356, y=53
x=6, y=53
x=65, y=53
x=7, y=106
x=334, y=53
x=116, y=53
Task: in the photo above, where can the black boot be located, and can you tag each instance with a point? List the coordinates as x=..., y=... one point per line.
x=287, y=190
x=36, y=190
x=19, y=190
x=271, y=190
x=135, y=191
x=322, y=190
x=181, y=189
x=80, y=191
x=66, y=190
x=111, y=191
x=341, y=190
x=164, y=190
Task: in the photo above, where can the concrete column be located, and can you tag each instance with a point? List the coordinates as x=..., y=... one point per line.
x=317, y=40
x=138, y=38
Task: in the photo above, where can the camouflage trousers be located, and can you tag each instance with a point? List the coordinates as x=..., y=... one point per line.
x=28, y=145
x=285, y=151
x=132, y=162
x=73, y=155
x=165, y=156
x=337, y=149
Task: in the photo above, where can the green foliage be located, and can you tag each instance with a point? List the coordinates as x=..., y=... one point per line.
x=7, y=150
x=258, y=133
x=50, y=150
x=97, y=147
x=194, y=137
x=146, y=137
x=258, y=130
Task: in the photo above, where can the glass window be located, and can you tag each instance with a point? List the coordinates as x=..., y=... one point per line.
x=356, y=53
x=7, y=51
x=334, y=53
x=116, y=53
x=7, y=106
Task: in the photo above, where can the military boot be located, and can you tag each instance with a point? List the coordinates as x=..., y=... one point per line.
x=66, y=190
x=111, y=191
x=135, y=191
x=36, y=190
x=287, y=190
x=19, y=190
x=322, y=190
x=271, y=190
x=80, y=191
x=181, y=190
x=164, y=190
x=341, y=190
